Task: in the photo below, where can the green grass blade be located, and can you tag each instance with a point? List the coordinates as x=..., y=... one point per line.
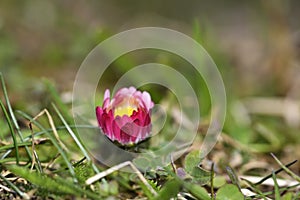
x=75, y=138
x=255, y=188
x=212, y=175
x=12, y=159
x=12, y=131
x=233, y=177
x=287, y=170
x=56, y=144
x=14, y=120
x=276, y=172
x=276, y=187
x=11, y=146
x=56, y=184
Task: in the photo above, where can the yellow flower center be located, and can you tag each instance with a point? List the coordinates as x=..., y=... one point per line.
x=125, y=110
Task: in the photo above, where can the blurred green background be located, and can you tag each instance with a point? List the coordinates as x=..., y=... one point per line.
x=255, y=44
x=257, y=41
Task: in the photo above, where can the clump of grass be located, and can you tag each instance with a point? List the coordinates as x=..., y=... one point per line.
x=37, y=163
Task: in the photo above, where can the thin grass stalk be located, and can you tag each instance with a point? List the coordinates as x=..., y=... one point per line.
x=233, y=177
x=276, y=172
x=276, y=187
x=212, y=175
x=255, y=188
x=11, y=146
x=287, y=170
x=75, y=138
x=12, y=115
x=284, y=189
x=12, y=131
x=55, y=143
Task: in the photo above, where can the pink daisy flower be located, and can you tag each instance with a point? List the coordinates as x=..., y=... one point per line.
x=126, y=117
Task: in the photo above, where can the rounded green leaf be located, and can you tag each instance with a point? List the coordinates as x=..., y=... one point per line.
x=192, y=160
x=229, y=192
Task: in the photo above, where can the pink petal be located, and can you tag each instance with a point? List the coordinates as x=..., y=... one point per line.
x=132, y=90
x=125, y=92
x=106, y=99
x=107, y=119
x=116, y=131
x=106, y=103
x=147, y=100
x=124, y=137
x=99, y=112
x=121, y=121
x=106, y=94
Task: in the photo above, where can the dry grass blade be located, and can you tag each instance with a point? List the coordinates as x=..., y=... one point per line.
x=50, y=120
x=15, y=188
x=3, y=187
x=55, y=140
x=118, y=167
x=34, y=156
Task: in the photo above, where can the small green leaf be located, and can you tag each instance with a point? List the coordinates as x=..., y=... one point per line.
x=192, y=160
x=197, y=191
x=219, y=181
x=169, y=190
x=288, y=196
x=191, y=163
x=200, y=175
x=114, y=187
x=104, y=188
x=229, y=192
